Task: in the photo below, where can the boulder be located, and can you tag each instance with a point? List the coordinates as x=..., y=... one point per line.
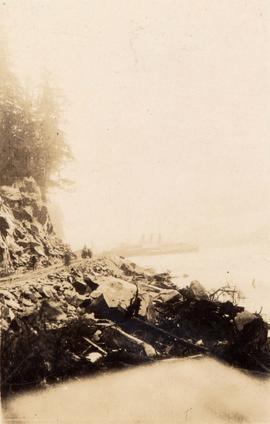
x=94, y=357
x=90, y=283
x=6, y=294
x=252, y=332
x=80, y=286
x=198, y=290
x=50, y=310
x=26, y=302
x=116, y=293
x=11, y=193
x=195, y=291
x=243, y=318
x=147, y=309
x=167, y=295
x=47, y=291
x=13, y=304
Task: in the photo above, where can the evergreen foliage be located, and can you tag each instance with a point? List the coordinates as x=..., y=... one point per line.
x=31, y=141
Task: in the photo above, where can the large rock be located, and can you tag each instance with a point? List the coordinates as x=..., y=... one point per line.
x=243, y=318
x=26, y=230
x=195, y=291
x=252, y=332
x=116, y=293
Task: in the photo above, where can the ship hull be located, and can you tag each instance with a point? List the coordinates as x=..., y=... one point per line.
x=153, y=251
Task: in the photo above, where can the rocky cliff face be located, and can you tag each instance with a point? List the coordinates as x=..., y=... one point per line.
x=26, y=230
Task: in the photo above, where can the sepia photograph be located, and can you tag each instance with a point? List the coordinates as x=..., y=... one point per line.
x=135, y=211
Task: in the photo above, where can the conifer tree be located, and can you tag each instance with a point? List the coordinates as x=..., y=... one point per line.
x=31, y=141
x=52, y=149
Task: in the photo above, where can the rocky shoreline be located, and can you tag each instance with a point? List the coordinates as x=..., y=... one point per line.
x=107, y=313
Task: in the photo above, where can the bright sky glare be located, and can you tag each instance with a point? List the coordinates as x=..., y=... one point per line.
x=166, y=107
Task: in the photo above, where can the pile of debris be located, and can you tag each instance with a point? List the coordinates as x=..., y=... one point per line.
x=108, y=312
x=26, y=232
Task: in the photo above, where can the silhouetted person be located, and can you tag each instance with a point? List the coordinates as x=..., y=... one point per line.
x=67, y=258
x=89, y=253
x=86, y=252
x=33, y=262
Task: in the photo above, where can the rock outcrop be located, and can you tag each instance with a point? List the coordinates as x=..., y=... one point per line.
x=108, y=312
x=26, y=231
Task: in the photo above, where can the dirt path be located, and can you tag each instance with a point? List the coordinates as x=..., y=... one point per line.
x=15, y=279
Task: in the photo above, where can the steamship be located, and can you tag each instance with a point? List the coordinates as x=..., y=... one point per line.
x=150, y=246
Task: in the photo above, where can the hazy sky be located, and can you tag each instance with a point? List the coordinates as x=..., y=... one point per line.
x=166, y=108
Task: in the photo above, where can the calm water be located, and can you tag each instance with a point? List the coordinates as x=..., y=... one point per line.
x=246, y=267
x=176, y=391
